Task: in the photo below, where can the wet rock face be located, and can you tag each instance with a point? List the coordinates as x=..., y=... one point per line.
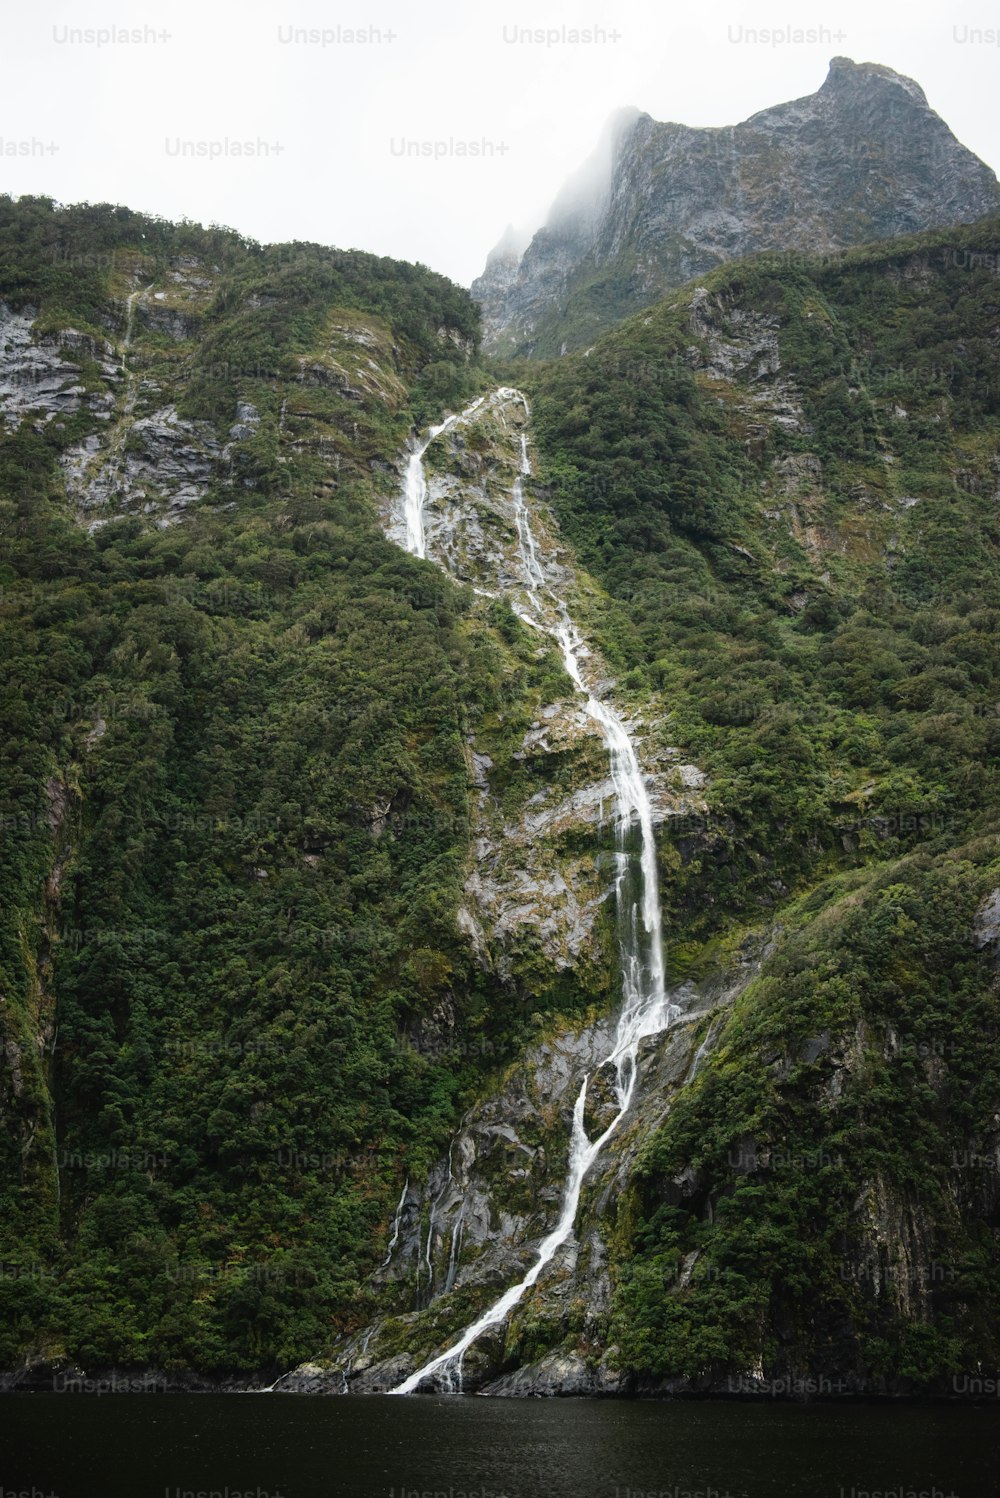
x=475, y=1225
x=564, y=1373
x=539, y=866
x=863, y=158
x=986, y=927
x=160, y=465
x=39, y=380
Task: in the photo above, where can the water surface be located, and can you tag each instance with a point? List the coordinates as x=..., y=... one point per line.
x=295, y=1446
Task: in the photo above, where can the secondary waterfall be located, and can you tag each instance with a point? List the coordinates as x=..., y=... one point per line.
x=415, y=482
x=646, y=1009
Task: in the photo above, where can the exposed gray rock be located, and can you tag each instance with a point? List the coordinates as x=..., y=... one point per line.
x=159, y=316
x=499, y=280
x=160, y=464
x=156, y=462
x=38, y=380
x=561, y=1372
x=246, y=423
x=178, y=308
x=475, y=1225
x=532, y=874
x=986, y=926
x=863, y=158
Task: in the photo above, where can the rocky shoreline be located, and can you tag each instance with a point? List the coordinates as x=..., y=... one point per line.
x=556, y=1376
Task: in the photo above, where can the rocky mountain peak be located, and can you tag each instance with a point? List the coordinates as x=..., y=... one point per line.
x=863, y=158
x=846, y=76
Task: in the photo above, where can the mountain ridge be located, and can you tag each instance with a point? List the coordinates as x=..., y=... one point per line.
x=864, y=158
x=307, y=871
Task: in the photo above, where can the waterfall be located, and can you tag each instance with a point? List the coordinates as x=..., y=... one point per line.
x=108, y=467
x=455, y=1249
x=415, y=481
x=646, y=1009
x=702, y=1050
x=396, y=1223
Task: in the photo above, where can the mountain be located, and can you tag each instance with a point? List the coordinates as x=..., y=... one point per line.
x=232, y=790
x=864, y=158
x=316, y=910
x=785, y=480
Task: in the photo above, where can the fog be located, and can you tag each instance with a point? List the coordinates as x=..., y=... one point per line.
x=420, y=131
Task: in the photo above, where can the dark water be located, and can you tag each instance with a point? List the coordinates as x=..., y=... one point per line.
x=166, y=1446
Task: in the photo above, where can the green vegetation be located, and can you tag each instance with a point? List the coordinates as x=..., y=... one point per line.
x=840, y=1136
x=817, y=602
x=235, y=808
x=234, y=815
x=790, y=497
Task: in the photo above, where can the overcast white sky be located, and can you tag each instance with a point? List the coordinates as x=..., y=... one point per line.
x=341, y=112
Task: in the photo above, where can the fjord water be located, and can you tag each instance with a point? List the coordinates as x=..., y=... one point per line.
x=369, y=1447
x=645, y=1008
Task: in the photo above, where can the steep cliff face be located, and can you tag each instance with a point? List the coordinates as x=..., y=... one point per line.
x=771, y=471
x=542, y=795
x=807, y=454
x=308, y=922
x=864, y=158
x=476, y=1224
x=753, y=1229
x=804, y=1194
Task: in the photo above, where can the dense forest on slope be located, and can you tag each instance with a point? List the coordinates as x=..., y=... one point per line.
x=234, y=816
x=788, y=481
x=237, y=1008
x=805, y=558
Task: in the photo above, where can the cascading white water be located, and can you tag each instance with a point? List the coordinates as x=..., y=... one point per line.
x=415, y=492
x=646, y=1009
x=457, y=1233
x=702, y=1051
x=415, y=481
x=396, y=1223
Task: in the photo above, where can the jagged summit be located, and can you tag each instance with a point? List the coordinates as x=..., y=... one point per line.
x=512, y=242
x=844, y=72
x=865, y=157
